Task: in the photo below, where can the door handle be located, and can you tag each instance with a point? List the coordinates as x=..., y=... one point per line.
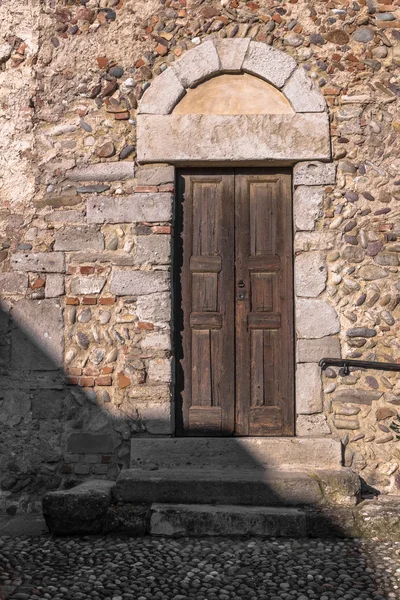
x=241, y=283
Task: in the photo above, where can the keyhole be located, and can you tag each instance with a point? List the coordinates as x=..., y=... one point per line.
x=241, y=283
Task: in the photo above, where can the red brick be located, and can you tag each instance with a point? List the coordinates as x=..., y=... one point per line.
x=167, y=187
x=104, y=380
x=71, y=270
x=87, y=270
x=106, y=460
x=107, y=370
x=123, y=380
x=86, y=382
x=74, y=371
x=70, y=300
x=143, y=325
x=66, y=469
x=162, y=229
x=90, y=371
x=102, y=61
x=161, y=49
x=145, y=188
x=39, y=283
x=89, y=300
x=277, y=18
x=327, y=91
x=107, y=301
x=72, y=380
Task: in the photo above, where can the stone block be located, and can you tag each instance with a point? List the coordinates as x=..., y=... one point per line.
x=15, y=407
x=163, y=94
x=159, y=370
x=13, y=283
x=354, y=396
x=315, y=318
x=307, y=205
x=116, y=171
x=48, y=404
x=231, y=53
x=223, y=454
x=87, y=285
x=65, y=216
x=151, y=208
x=128, y=520
x=153, y=249
x=314, y=173
x=151, y=393
x=37, y=335
x=157, y=418
x=90, y=443
x=197, y=137
x=80, y=510
x=203, y=520
x=136, y=283
x=311, y=351
x=308, y=389
x=154, y=308
x=155, y=174
x=310, y=274
x=198, y=64
x=79, y=238
x=305, y=241
x=43, y=262
x=312, y=426
x=303, y=94
x=272, y=65
x=55, y=285
x=156, y=340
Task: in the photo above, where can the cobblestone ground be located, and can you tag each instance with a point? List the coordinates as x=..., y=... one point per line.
x=219, y=569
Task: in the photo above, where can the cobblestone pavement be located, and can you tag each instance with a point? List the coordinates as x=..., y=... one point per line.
x=206, y=569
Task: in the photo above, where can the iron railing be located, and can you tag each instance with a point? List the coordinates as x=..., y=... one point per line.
x=346, y=363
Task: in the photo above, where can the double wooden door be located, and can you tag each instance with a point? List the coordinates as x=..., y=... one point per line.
x=234, y=303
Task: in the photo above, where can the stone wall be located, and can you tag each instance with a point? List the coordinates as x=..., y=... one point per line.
x=85, y=233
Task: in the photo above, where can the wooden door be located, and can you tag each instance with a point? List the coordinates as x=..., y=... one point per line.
x=234, y=303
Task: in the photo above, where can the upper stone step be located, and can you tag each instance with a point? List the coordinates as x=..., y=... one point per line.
x=236, y=453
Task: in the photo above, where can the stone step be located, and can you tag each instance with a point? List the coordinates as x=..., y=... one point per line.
x=273, y=487
x=236, y=453
x=202, y=519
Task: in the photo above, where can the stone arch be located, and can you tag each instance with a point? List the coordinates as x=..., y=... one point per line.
x=299, y=134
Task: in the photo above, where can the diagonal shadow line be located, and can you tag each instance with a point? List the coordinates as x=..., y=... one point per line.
x=39, y=410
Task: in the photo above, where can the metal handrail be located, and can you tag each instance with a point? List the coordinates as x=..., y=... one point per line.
x=346, y=363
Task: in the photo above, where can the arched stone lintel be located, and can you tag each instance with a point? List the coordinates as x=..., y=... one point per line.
x=193, y=138
x=215, y=57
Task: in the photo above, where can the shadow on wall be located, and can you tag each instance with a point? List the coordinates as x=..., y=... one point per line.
x=54, y=433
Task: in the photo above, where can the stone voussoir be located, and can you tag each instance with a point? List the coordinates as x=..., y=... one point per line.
x=162, y=95
x=303, y=94
x=268, y=63
x=197, y=64
x=232, y=53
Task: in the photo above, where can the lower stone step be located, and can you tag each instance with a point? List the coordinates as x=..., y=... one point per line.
x=205, y=520
x=89, y=508
x=238, y=487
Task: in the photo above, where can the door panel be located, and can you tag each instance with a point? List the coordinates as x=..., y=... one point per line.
x=207, y=283
x=264, y=310
x=236, y=368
